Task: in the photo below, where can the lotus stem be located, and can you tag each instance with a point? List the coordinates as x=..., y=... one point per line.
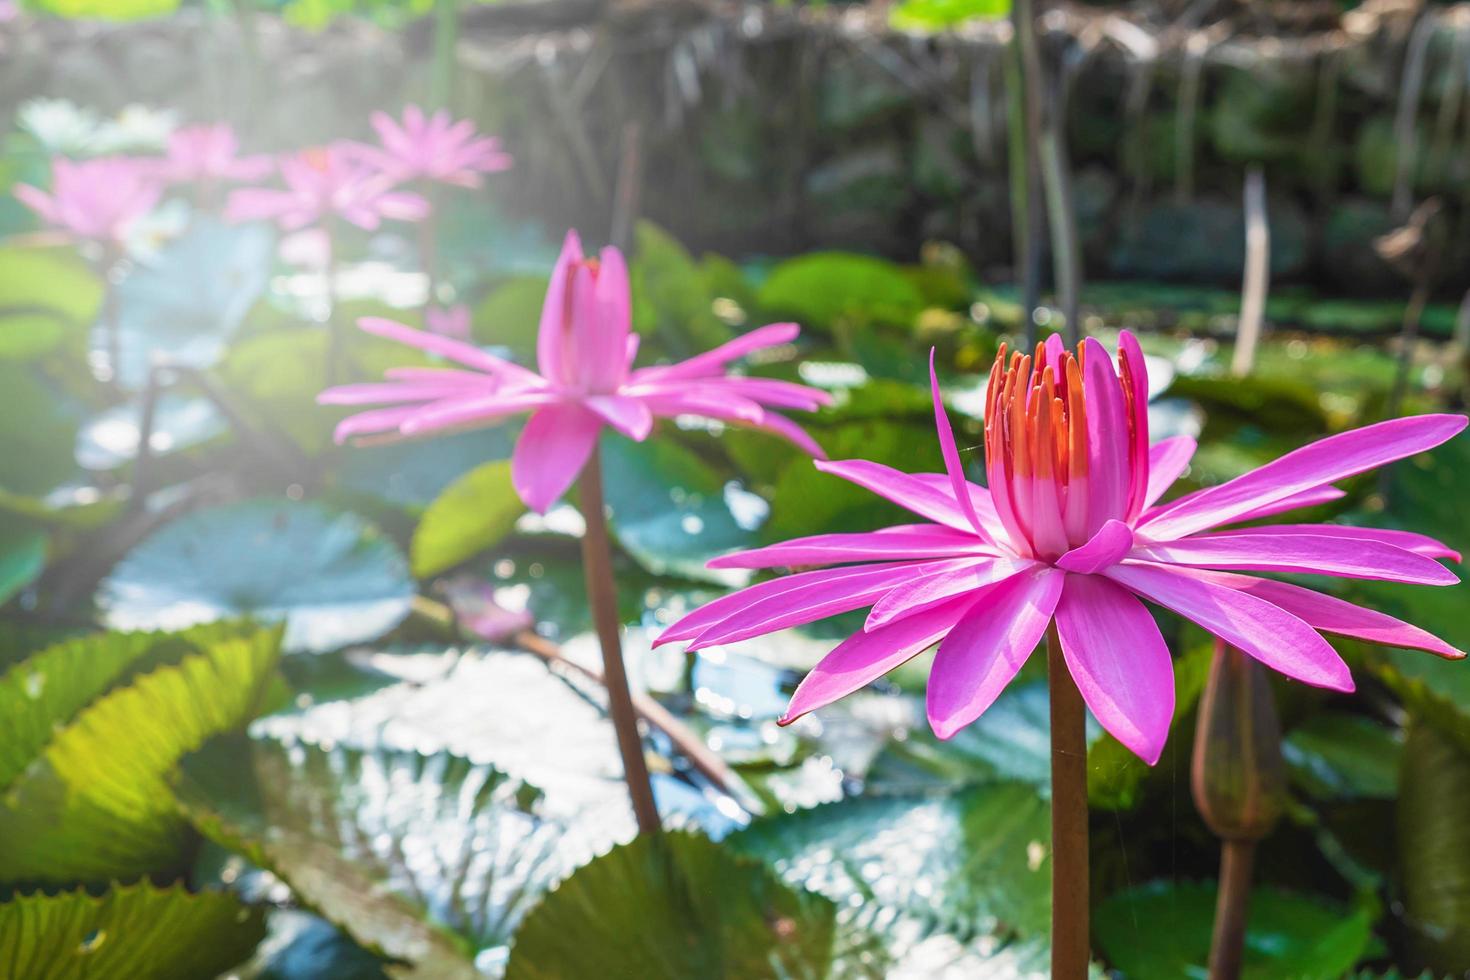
x=603, y=595
x=429, y=252
x=1232, y=904
x=112, y=330
x=446, y=31
x=1028, y=208
x=334, y=329
x=1070, y=889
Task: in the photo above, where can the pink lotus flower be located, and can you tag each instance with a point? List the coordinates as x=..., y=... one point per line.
x=210, y=153
x=1069, y=533
x=432, y=148
x=94, y=200
x=323, y=183
x=585, y=353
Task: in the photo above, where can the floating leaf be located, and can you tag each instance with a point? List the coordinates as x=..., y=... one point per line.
x=1162, y=929
x=55, y=281
x=975, y=860
x=1342, y=756
x=411, y=474
x=128, y=931
x=110, y=439
x=1434, y=847
x=824, y=289
x=36, y=435
x=427, y=859
x=95, y=804
x=511, y=315
x=475, y=512
x=674, y=906
x=187, y=301
x=669, y=509
x=332, y=578
x=22, y=557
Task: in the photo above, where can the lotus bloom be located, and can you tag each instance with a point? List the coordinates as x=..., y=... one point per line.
x=94, y=200
x=323, y=183
x=432, y=148
x=207, y=154
x=585, y=353
x=1070, y=532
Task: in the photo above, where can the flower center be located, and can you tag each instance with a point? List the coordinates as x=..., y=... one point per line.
x=1059, y=441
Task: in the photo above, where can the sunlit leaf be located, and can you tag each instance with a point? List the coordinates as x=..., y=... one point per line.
x=333, y=578
x=824, y=289
x=128, y=931
x=425, y=858
x=670, y=298
x=95, y=804
x=22, y=557
x=110, y=438
x=473, y=513
x=511, y=315
x=1342, y=756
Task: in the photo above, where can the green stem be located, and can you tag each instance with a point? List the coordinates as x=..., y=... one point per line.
x=1070, y=888
x=602, y=593
x=446, y=32
x=1232, y=904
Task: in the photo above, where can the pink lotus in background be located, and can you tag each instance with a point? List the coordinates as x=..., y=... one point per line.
x=210, y=153
x=433, y=148
x=1069, y=532
x=94, y=200
x=322, y=183
x=585, y=353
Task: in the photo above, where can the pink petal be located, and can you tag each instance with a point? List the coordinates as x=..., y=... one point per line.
x=952, y=465
x=1267, y=632
x=455, y=350
x=458, y=411
x=607, y=350
x=714, y=361
x=553, y=448
x=1325, y=461
x=864, y=657
x=987, y=646
x=1419, y=544
x=706, y=400
x=1107, y=547
x=1107, y=439
x=1118, y=658
x=1334, y=615
x=901, y=488
x=628, y=415
x=551, y=339
x=1312, y=554
x=832, y=579
x=1307, y=498
x=1135, y=378
x=388, y=392
x=777, y=394
x=375, y=421
x=864, y=585
x=889, y=544
x=1167, y=461
x=981, y=500
x=943, y=582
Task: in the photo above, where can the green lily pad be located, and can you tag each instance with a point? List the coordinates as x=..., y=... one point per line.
x=110, y=438
x=670, y=299
x=475, y=512
x=1340, y=756
x=22, y=557
x=511, y=315
x=333, y=579
x=427, y=859
x=674, y=906
x=670, y=510
x=972, y=861
x=128, y=931
x=823, y=290
x=94, y=804
x=1162, y=929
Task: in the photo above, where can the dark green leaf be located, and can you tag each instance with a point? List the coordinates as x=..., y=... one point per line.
x=22, y=557
x=1162, y=929
x=332, y=578
x=427, y=859
x=1434, y=847
x=129, y=931
x=672, y=907
x=669, y=294
x=825, y=289
x=1342, y=756
x=973, y=861
x=511, y=315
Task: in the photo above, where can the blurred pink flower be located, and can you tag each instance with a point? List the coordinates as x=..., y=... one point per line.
x=94, y=200
x=322, y=183
x=210, y=153
x=9, y=10
x=432, y=148
x=585, y=353
x=1069, y=532
x=449, y=321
